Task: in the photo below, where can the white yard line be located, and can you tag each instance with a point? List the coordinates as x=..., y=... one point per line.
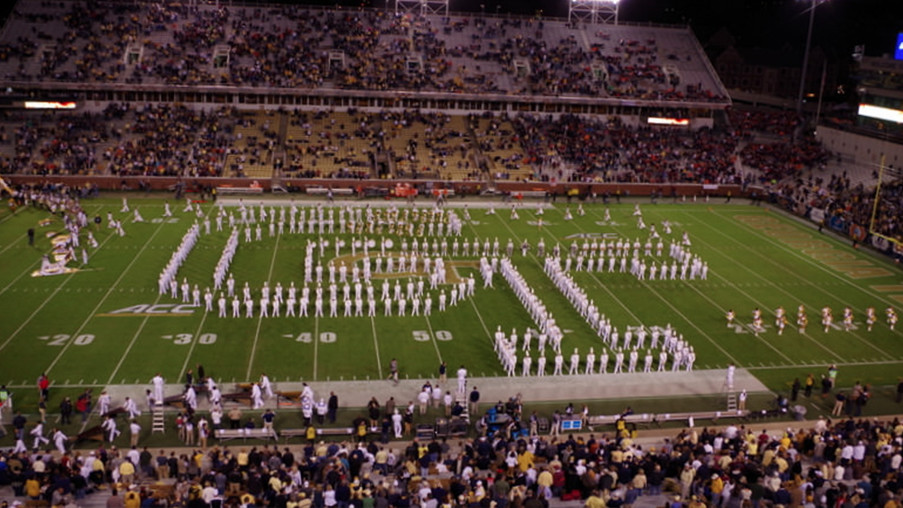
x=433, y=337
x=316, y=339
x=260, y=313
x=722, y=310
x=104, y=299
x=45, y=302
x=847, y=364
x=28, y=272
x=679, y=313
x=812, y=262
x=482, y=323
x=131, y=343
x=750, y=297
x=17, y=240
x=831, y=295
x=197, y=335
x=429, y=204
x=379, y=364
x=138, y=334
x=603, y=286
x=8, y=217
x=36, y=263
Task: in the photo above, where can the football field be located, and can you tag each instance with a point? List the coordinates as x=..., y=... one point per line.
x=107, y=324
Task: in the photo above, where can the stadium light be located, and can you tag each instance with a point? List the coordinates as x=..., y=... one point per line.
x=593, y=11
x=437, y=7
x=799, y=98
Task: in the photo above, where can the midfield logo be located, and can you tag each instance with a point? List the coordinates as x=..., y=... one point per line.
x=159, y=309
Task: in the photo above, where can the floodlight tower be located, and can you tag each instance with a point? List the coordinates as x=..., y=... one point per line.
x=439, y=7
x=805, y=69
x=593, y=11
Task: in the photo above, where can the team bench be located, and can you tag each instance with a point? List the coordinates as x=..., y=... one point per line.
x=238, y=190
x=639, y=418
x=245, y=434
x=530, y=193
x=336, y=431
x=701, y=415
x=344, y=431
x=290, y=433
x=658, y=419
x=341, y=191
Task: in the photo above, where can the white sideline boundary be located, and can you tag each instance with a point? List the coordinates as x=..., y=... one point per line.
x=452, y=203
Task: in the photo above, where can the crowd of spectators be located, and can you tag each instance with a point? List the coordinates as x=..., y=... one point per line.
x=153, y=140
x=846, y=462
x=793, y=167
x=613, y=152
x=175, y=139
x=293, y=46
x=850, y=204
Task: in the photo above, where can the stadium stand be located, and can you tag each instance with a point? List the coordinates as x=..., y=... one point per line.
x=270, y=93
x=295, y=46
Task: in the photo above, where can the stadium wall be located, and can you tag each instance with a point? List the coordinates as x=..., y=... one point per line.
x=862, y=150
x=633, y=116
x=458, y=188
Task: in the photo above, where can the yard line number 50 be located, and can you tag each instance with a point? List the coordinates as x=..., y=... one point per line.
x=424, y=336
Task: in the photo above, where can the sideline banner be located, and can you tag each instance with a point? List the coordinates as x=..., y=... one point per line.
x=817, y=215
x=880, y=243
x=837, y=223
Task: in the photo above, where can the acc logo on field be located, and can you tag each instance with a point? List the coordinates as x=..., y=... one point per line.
x=606, y=236
x=159, y=309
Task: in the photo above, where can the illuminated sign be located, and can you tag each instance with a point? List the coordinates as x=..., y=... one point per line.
x=49, y=105
x=654, y=120
x=898, y=49
x=891, y=115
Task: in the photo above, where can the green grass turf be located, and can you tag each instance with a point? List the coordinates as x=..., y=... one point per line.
x=61, y=324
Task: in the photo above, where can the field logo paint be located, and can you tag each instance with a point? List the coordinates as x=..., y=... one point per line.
x=608, y=223
x=842, y=261
x=605, y=236
x=160, y=309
